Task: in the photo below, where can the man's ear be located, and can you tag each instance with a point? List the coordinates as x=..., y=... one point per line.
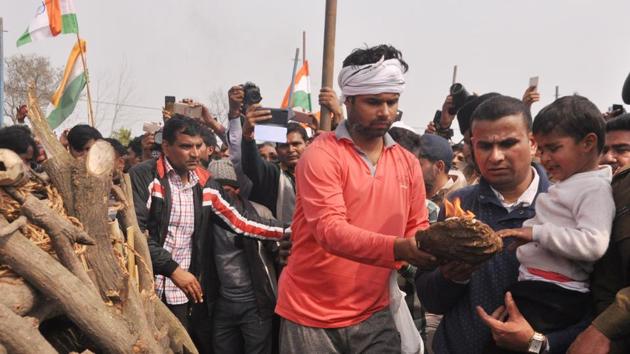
x=441, y=166
x=533, y=145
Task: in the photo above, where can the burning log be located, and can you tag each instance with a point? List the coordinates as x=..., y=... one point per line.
x=460, y=237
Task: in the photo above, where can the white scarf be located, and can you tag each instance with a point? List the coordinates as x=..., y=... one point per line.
x=380, y=77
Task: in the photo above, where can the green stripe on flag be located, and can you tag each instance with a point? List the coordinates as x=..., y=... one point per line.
x=24, y=38
x=302, y=99
x=67, y=102
x=69, y=23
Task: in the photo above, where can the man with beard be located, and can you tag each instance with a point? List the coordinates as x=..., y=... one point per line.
x=436, y=158
x=360, y=201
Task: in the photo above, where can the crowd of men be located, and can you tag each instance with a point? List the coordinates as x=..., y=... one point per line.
x=302, y=246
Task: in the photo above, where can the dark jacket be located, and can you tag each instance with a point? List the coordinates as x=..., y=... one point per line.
x=461, y=330
x=260, y=256
x=263, y=174
x=213, y=210
x=611, y=275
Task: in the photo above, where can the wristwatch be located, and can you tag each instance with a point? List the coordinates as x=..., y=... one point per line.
x=536, y=343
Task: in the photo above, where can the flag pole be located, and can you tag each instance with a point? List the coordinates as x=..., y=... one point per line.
x=295, y=61
x=329, y=58
x=1, y=74
x=303, y=47
x=87, y=82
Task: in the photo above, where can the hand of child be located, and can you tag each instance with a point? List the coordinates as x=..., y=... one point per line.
x=523, y=236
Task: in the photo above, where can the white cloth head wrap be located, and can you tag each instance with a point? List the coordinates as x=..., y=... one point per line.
x=370, y=79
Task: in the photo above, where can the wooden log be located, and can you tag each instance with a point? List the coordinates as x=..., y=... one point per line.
x=62, y=233
x=20, y=335
x=92, y=184
x=40, y=214
x=59, y=164
x=82, y=305
x=45, y=309
x=143, y=258
x=13, y=171
x=18, y=295
x=13, y=227
x=180, y=341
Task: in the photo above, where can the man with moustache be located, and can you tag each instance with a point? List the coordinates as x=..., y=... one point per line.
x=359, y=203
x=503, y=147
x=179, y=204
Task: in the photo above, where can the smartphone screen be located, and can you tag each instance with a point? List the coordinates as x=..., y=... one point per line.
x=278, y=117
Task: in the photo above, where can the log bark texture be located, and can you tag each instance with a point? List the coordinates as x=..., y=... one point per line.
x=78, y=301
x=19, y=335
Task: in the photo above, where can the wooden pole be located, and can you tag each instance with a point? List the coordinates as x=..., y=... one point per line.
x=295, y=61
x=87, y=83
x=328, y=61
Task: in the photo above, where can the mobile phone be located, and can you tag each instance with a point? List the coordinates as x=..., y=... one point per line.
x=151, y=127
x=279, y=116
x=617, y=107
x=436, y=118
x=187, y=110
x=533, y=81
x=306, y=118
x=168, y=103
x=399, y=114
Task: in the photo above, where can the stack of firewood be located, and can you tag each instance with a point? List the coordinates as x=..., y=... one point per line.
x=61, y=257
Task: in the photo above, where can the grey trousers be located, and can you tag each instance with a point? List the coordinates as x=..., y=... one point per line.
x=377, y=334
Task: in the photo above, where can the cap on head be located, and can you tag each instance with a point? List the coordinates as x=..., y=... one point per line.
x=435, y=148
x=223, y=172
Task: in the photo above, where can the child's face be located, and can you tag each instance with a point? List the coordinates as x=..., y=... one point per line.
x=563, y=156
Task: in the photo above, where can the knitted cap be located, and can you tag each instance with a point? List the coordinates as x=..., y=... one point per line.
x=223, y=172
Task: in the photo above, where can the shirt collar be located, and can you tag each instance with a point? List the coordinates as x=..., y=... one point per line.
x=342, y=133
x=193, y=179
x=526, y=199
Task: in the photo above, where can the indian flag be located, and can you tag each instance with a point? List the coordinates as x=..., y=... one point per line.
x=52, y=18
x=302, y=90
x=67, y=95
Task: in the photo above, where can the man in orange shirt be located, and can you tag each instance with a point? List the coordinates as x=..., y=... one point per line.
x=360, y=200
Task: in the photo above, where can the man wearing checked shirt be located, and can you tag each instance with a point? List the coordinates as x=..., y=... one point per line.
x=178, y=202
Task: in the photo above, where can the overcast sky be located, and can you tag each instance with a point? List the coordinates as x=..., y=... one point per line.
x=191, y=48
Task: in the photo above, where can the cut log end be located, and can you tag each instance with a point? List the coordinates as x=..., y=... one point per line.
x=13, y=171
x=100, y=158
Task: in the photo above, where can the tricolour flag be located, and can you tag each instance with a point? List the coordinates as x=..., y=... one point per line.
x=301, y=91
x=52, y=18
x=69, y=91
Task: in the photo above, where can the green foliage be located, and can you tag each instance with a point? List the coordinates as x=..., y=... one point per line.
x=123, y=135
